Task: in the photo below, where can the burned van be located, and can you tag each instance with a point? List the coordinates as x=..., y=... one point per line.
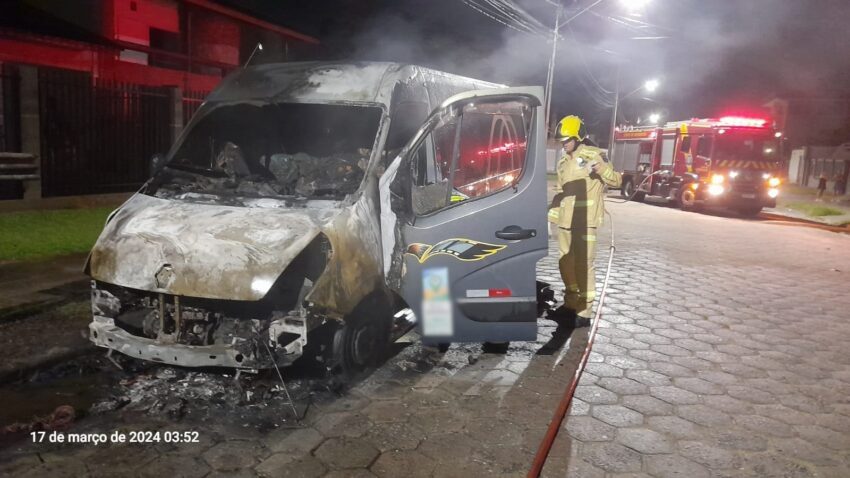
x=323, y=208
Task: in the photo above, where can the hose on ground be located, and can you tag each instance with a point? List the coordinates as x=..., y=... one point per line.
x=564, y=404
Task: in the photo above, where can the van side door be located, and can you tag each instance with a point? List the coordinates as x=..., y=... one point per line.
x=464, y=217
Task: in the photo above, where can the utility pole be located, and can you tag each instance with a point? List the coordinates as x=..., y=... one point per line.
x=555, y=32
x=551, y=73
x=614, y=116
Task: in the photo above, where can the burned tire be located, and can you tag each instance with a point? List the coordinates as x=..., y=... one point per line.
x=363, y=339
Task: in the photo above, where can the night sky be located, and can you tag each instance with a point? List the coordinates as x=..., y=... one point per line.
x=713, y=57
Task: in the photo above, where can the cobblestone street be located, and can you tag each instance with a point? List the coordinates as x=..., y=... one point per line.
x=722, y=352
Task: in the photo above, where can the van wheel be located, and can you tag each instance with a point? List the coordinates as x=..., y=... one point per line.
x=362, y=341
x=628, y=189
x=687, y=199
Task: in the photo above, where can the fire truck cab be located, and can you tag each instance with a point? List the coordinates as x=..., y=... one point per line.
x=730, y=162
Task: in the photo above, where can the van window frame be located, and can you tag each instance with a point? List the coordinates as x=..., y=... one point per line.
x=456, y=153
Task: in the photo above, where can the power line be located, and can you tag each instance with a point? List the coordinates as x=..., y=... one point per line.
x=519, y=11
x=471, y=4
x=507, y=14
x=499, y=16
x=567, y=21
x=586, y=66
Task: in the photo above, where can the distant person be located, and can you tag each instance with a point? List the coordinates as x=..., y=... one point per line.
x=821, y=186
x=840, y=186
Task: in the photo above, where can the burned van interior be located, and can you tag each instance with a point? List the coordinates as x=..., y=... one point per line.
x=276, y=150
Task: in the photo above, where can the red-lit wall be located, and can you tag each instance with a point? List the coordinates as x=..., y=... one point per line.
x=101, y=64
x=215, y=38
x=210, y=43
x=131, y=20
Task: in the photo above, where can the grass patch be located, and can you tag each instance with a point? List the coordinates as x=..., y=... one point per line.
x=815, y=210
x=797, y=190
x=34, y=235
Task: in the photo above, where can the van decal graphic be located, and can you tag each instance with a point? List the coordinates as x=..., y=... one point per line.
x=465, y=250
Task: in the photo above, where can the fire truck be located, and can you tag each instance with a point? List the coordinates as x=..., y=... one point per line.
x=731, y=162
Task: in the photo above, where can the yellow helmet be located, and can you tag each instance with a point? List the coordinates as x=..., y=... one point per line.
x=570, y=127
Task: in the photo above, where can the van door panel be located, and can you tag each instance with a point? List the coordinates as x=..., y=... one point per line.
x=463, y=282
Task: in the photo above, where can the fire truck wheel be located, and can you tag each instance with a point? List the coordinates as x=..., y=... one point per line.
x=628, y=189
x=687, y=199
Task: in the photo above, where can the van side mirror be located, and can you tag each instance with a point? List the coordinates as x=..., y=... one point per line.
x=157, y=163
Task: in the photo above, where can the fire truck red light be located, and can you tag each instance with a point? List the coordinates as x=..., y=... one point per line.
x=741, y=121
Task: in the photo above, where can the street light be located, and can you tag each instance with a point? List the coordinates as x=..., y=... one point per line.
x=634, y=5
x=651, y=85
x=654, y=118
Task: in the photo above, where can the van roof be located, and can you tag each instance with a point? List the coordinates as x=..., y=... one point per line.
x=368, y=82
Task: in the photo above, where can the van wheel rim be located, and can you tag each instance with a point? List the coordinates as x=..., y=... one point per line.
x=363, y=344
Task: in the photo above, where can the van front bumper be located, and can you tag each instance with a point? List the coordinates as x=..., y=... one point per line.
x=736, y=200
x=104, y=333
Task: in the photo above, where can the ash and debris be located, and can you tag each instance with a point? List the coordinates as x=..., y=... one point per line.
x=91, y=390
x=248, y=401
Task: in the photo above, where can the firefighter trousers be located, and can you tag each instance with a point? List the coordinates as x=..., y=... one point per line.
x=578, y=251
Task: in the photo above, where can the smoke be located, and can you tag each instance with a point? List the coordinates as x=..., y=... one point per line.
x=716, y=56
x=449, y=36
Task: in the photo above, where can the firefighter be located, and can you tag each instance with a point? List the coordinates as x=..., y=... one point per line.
x=577, y=211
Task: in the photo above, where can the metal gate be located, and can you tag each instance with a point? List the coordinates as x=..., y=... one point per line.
x=98, y=136
x=10, y=112
x=192, y=100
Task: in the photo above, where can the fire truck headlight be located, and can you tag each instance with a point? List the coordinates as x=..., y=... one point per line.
x=773, y=192
x=765, y=176
x=715, y=190
x=717, y=179
x=733, y=174
x=773, y=182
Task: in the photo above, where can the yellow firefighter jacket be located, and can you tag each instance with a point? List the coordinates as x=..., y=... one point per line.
x=579, y=202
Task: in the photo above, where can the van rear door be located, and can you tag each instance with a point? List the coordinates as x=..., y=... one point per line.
x=464, y=217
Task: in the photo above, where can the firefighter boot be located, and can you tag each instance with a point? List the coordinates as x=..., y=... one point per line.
x=563, y=316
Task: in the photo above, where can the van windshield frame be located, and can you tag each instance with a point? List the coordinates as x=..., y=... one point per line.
x=258, y=149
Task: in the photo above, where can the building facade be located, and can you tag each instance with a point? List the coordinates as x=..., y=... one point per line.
x=92, y=89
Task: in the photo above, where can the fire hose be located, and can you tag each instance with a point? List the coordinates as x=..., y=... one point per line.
x=561, y=411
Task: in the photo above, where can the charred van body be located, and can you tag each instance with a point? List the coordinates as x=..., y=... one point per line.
x=262, y=233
